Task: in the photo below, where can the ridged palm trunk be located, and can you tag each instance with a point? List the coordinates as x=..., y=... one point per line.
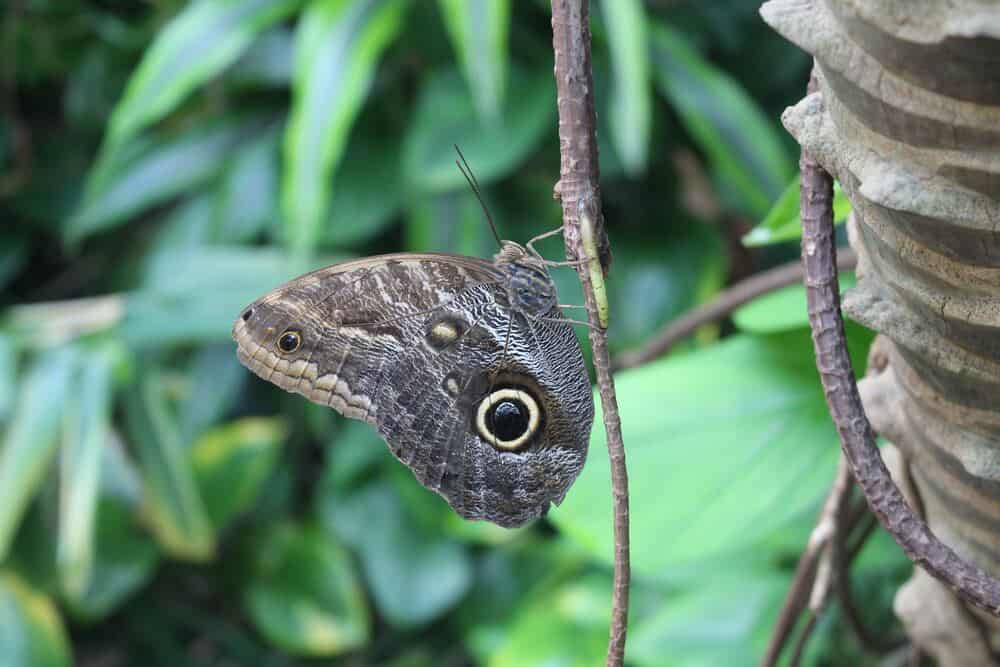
x=907, y=119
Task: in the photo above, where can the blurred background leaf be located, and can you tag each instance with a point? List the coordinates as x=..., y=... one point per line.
x=164, y=164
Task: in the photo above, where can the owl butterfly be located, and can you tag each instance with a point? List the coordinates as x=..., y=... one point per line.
x=465, y=367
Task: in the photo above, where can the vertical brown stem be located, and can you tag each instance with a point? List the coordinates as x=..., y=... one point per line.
x=578, y=183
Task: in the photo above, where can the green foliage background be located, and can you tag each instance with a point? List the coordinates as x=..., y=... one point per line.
x=164, y=163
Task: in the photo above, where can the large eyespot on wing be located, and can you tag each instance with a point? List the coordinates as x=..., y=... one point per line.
x=498, y=442
x=334, y=334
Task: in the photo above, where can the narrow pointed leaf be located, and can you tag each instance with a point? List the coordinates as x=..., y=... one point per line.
x=140, y=174
x=85, y=433
x=196, y=45
x=31, y=632
x=741, y=143
x=337, y=48
x=478, y=31
x=782, y=222
x=445, y=115
x=172, y=503
x=31, y=437
x=631, y=98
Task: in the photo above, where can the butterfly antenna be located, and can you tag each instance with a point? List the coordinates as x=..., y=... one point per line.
x=463, y=167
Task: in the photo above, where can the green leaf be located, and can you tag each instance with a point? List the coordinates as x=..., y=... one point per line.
x=268, y=61
x=86, y=431
x=14, y=254
x=683, y=268
x=449, y=222
x=248, y=193
x=367, y=191
x=124, y=561
x=337, y=48
x=196, y=45
x=565, y=626
x=725, y=445
x=196, y=295
x=31, y=634
x=213, y=387
x=715, y=621
x=782, y=222
x=742, y=144
x=304, y=595
x=31, y=437
x=142, y=173
x=231, y=463
x=171, y=502
x=478, y=31
x=125, y=557
x=631, y=103
x=413, y=575
x=782, y=310
x=445, y=116
x=8, y=375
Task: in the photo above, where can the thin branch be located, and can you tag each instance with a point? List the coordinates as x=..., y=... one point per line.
x=819, y=255
x=578, y=191
x=803, y=640
x=828, y=527
x=724, y=303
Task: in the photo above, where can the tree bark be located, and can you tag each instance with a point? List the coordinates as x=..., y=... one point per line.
x=908, y=121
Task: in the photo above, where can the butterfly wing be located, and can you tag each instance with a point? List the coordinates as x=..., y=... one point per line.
x=415, y=344
x=348, y=324
x=430, y=415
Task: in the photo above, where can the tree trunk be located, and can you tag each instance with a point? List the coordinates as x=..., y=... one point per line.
x=907, y=118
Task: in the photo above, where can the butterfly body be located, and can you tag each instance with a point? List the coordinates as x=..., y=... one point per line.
x=463, y=365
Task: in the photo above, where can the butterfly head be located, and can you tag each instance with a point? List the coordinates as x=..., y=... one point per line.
x=275, y=339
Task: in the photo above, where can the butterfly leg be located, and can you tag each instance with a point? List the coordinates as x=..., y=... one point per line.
x=530, y=245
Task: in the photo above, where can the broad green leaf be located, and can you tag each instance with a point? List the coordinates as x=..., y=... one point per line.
x=231, y=463
x=337, y=47
x=195, y=296
x=446, y=116
x=367, y=190
x=631, y=102
x=478, y=31
x=85, y=433
x=196, y=45
x=741, y=143
x=31, y=632
x=248, y=193
x=782, y=310
x=725, y=445
x=171, y=502
x=304, y=595
x=31, y=437
x=414, y=576
x=719, y=620
x=782, y=222
x=143, y=172
x=567, y=626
